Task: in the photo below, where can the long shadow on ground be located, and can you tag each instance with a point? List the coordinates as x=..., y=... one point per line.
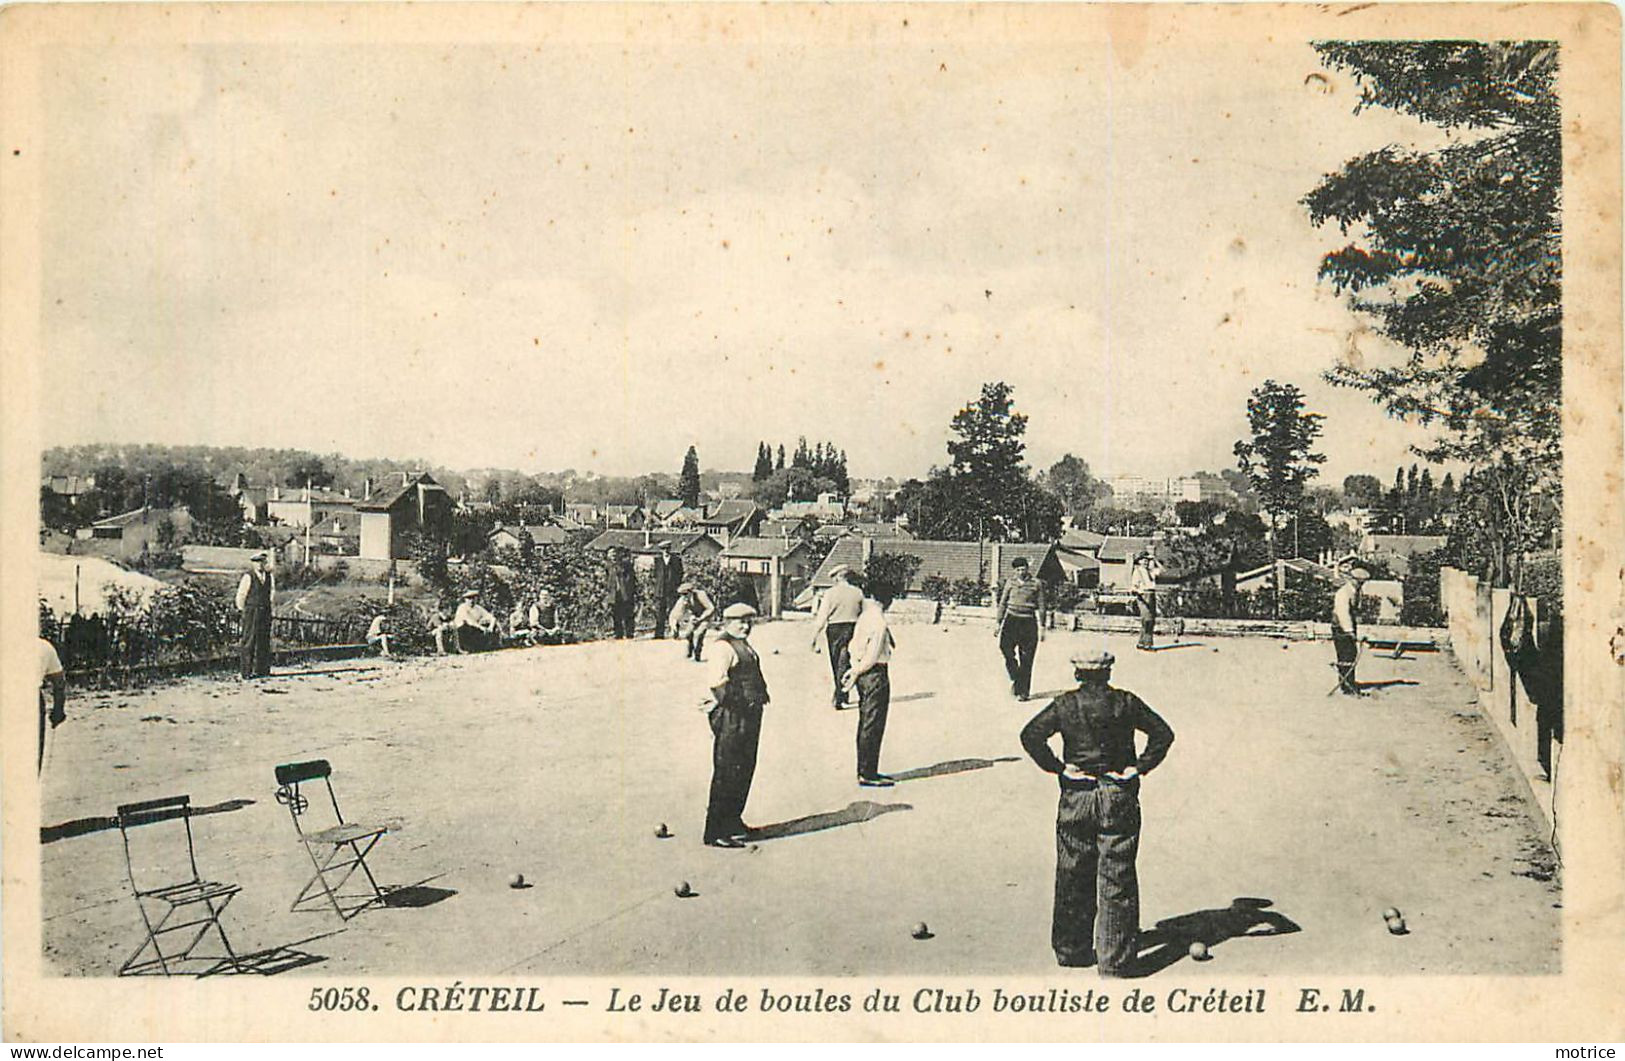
x=50, y=834
x=1172, y=937
x=952, y=766
x=283, y=958
x=857, y=811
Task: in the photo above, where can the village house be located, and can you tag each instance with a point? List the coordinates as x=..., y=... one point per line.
x=1396, y=551
x=836, y=531
x=733, y=519
x=778, y=567
x=1116, y=557
x=541, y=534
x=129, y=534
x=583, y=513
x=693, y=546
x=307, y=506
x=827, y=509
x=253, y=500
x=630, y=517
x=799, y=529
x=386, y=518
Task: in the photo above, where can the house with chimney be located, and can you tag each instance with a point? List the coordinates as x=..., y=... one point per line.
x=388, y=517
x=307, y=506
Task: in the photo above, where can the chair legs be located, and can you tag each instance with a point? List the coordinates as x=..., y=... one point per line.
x=168, y=964
x=358, y=847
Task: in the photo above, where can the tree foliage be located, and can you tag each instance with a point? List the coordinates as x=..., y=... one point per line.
x=1457, y=256
x=1280, y=459
x=1070, y=480
x=688, y=482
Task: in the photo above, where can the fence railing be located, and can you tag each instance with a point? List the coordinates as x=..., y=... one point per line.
x=91, y=645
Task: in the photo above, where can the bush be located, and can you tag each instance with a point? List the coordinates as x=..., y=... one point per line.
x=937, y=588
x=889, y=574
x=970, y=591
x=1421, y=606
x=1067, y=595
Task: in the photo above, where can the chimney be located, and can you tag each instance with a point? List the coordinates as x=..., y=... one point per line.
x=406, y=479
x=366, y=489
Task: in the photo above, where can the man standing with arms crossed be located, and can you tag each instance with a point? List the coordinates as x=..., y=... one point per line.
x=254, y=595
x=1021, y=606
x=1097, y=823
x=836, y=618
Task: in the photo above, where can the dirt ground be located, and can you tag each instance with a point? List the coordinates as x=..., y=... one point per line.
x=560, y=762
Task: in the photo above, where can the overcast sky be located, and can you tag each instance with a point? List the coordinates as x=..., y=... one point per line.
x=596, y=254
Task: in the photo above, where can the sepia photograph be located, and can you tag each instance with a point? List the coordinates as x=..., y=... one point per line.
x=855, y=521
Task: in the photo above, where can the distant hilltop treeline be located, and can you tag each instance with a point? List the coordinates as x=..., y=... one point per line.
x=161, y=467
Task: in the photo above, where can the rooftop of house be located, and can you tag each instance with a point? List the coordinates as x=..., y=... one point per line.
x=762, y=548
x=383, y=501
x=729, y=512
x=636, y=541
x=1117, y=549
x=1402, y=544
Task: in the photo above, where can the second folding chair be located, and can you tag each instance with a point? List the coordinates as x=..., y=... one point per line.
x=336, y=851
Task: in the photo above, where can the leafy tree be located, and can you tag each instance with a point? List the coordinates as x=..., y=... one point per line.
x=309, y=469
x=779, y=465
x=1070, y=480
x=1196, y=513
x=688, y=483
x=1362, y=491
x=1458, y=258
x=886, y=575
x=764, y=463
x=1280, y=459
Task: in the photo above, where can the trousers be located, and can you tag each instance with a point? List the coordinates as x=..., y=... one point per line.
x=1348, y=652
x=256, y=647
x=874, y=702
x=1019, y=643
x=736, y=731
x=1097, y=889
x=1147, y=605
x=838, y=637
x=623, y=617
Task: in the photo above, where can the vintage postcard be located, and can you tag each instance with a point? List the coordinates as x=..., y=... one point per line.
x=811, y=522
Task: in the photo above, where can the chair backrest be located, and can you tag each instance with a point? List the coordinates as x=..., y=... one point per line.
x=151, y=812
x=290, y=775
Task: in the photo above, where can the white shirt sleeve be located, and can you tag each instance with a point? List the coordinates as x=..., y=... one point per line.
x=50, y=664
x=1343, y=609
x=720, y=665
x=242, y=591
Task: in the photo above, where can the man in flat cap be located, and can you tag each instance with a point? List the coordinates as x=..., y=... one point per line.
x=836, y=619
x=1023, y=608
x=1097, y=824
x=254, y=595
x=691, y=618
x=1346, y=629
x=736, y=695
x=667, y=577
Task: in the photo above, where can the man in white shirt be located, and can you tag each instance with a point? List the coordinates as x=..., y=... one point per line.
x=378, y=634
x=476, y=628
x=1345, y=628
x=836, y=618
x=736, y=694
x=52, y=674
x=871, y=651
x=1143, y=584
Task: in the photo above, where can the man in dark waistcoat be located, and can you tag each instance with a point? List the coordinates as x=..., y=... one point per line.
x=1097, y=824
x=254, y=595
x=734, y=706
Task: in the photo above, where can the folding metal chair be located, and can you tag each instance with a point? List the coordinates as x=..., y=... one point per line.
x=202, y=901
x=341, y=846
